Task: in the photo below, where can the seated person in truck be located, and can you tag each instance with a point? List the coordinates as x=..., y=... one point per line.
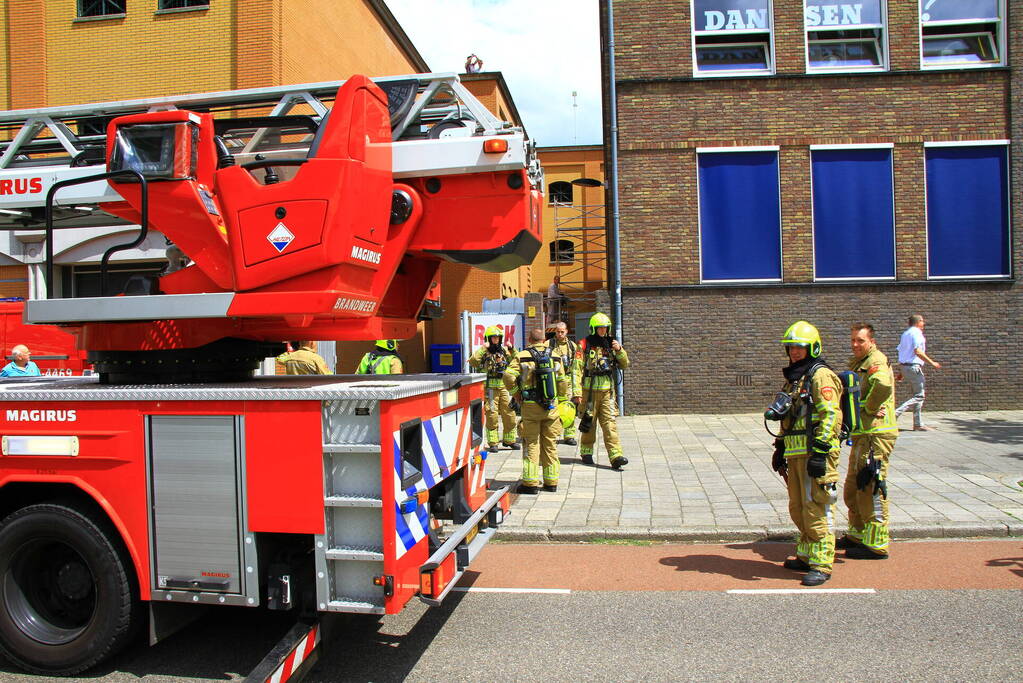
x=20, y=366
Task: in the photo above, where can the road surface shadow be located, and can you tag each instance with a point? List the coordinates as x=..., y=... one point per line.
x=989, y=430
x=773, y=555
x=384, y=649
x=1015, y=564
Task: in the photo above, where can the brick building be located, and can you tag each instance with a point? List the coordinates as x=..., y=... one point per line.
x=834, y=162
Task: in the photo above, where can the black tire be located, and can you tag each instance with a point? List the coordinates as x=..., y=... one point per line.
x=66, y=594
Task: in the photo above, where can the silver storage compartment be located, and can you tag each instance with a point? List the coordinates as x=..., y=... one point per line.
x=195, y=484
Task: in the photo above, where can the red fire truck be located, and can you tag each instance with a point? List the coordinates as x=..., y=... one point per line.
x=173, y=479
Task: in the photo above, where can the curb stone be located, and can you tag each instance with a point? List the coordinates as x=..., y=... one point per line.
x=739, y=534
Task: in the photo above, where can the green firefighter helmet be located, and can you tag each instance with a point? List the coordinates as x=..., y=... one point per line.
x=494, y=331
x=387, y=344
x=803, y=334
x=599, y=320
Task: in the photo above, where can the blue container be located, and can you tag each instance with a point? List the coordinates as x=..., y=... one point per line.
x=445, y=358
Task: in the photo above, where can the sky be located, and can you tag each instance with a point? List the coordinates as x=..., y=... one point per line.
x=546, y=49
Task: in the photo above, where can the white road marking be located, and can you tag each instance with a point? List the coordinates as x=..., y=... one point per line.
x=796, y=591
x=475, y=589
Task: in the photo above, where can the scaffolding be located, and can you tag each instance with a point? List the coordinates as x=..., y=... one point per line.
x=579, y=254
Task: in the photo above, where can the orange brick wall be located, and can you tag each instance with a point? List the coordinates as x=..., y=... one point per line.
x=14, y=281
x=344, y=34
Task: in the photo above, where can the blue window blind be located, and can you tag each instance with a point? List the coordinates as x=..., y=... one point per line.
x=853, y=214
x=967, y=210
x=740, y=222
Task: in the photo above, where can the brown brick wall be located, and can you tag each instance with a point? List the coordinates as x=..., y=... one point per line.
x=689, y=346
x=690, y=342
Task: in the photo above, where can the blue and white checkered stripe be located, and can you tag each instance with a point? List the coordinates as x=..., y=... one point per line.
x=442, y=454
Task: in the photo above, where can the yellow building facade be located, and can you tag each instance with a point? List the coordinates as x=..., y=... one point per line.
x=54, y=56
x=574, y=225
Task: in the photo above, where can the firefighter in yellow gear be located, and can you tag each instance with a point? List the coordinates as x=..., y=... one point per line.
x=382, y=360
x=866, y=482
x=597, y=363
x=565, y=349
x=493, y=358
x=536, y=378
x=302, y=360
x=807, y=451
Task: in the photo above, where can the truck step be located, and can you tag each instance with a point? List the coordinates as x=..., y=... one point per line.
x=363, y=553
x=353, y=501
x=368, y=448
x=353, y=606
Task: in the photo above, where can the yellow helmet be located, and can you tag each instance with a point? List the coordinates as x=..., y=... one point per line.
x=803, y=334
x=494, y=331
x=600, y=320
x=387, y=344
x=566, y=411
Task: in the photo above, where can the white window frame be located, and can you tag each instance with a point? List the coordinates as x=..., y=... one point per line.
x=881, y=44
x=813, y=218
x=999, y=36
x=699, y=215
x=742, y=39
x=927, y=217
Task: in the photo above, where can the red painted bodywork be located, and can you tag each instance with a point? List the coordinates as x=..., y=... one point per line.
x=283, y=466
x=53, y=349
x=345, y=272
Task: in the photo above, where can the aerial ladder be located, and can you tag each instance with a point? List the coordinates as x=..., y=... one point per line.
x=174, y=480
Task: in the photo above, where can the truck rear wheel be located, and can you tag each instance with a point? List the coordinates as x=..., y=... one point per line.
x=66, y=598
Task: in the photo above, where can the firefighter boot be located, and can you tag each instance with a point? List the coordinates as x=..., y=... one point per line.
x=586, y=453
x=861, y=553
x=618, y=463
x=815, y=577
x=847, y=542
x=796, y=563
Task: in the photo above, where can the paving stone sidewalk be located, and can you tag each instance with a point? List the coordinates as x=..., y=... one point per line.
x=709, y=477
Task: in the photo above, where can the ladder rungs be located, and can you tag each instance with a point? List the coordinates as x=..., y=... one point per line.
x=365, y=554
x=353, y=501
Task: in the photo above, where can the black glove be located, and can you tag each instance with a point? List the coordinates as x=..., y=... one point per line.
x=514, y=405
x=882, y=486
x=868, y=472
x=778, y=463
x=817, y=463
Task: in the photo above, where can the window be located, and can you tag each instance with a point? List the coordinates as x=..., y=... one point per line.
x=967, y=210
x=740, y=214
x=961, y=33
x=560, y=192
x=100, y=8
x=562, y=251
x=853, y=213
x=181, y=4
x=732, y=37
x=84, y=280
x=845, y=37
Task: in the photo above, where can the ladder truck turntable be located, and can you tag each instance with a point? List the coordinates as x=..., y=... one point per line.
x=173, y=480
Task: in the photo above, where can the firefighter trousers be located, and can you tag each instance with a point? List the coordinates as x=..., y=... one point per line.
x=811, y=504
x=868, y=509
x=499, y=414
x=604, y=413
x=540, y=430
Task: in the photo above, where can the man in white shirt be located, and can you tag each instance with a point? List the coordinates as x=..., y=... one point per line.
x=912, y=356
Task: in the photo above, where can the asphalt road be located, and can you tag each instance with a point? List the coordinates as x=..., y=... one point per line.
x=937, y=611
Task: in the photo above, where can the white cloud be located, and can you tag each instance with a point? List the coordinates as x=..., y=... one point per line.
x=545, y=49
